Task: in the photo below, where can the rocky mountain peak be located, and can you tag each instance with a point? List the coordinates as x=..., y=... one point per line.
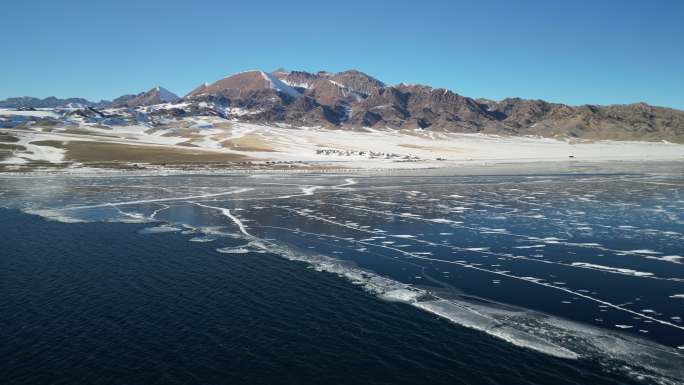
x=244, y=84
x=156, y=95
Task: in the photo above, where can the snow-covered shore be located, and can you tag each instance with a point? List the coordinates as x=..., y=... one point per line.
x=213, y=137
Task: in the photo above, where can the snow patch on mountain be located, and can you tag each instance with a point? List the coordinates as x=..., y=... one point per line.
x=279, y=85
x=294, y=84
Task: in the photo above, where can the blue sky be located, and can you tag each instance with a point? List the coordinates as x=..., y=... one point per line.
x=576, y=52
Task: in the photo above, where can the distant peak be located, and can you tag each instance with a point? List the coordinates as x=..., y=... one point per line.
x=162, y=95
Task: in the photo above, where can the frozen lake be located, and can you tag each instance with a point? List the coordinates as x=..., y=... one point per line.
x=575, y=265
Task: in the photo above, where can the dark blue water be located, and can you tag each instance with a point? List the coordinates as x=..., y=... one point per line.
x=102, y=303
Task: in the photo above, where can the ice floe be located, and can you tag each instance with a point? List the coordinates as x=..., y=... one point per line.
x=612, y=269
x=160, y=229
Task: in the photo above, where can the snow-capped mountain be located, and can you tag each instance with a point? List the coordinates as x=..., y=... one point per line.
x=354, y=100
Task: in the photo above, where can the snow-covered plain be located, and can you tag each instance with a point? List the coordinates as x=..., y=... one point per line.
x=345, y=148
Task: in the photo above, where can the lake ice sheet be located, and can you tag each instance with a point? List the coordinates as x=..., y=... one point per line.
x=578, y=266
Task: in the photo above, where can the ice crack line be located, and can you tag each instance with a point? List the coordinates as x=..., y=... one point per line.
x=238, y=191
x=230, y=216
x=456, y=224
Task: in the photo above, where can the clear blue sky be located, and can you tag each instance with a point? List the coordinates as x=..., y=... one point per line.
x=576, y=52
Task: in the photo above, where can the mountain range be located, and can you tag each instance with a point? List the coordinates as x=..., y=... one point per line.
x=357, y=101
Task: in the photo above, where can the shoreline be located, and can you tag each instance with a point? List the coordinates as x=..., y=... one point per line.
x=502, y=167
